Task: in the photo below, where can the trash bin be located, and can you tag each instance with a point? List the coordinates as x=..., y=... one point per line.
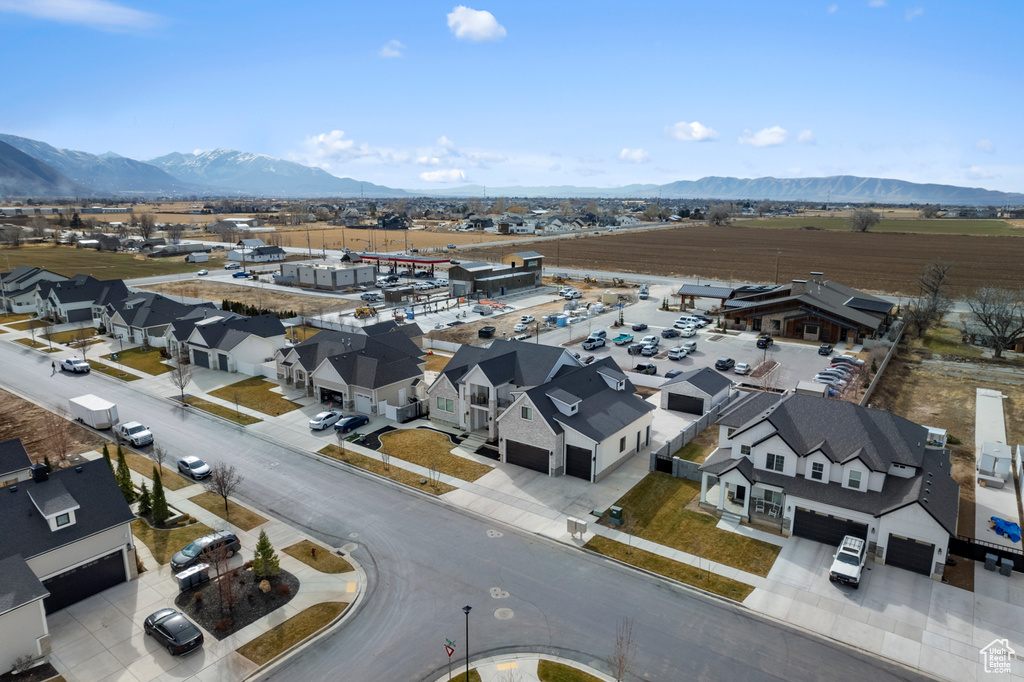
x=615, y=515
x=1005, y=566
x=990, y=562
x=193, y=576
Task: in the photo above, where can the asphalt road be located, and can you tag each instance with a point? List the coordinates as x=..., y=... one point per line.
x=425, y=561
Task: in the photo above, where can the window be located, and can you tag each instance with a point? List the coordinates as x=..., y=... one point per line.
x=622, y=444
x=449, y=405
x=744, y=449
x=773, y=497
x=526, y=413
x=729, y=432
x=440, y=403
x=775, y=462
x=854, y=481
x=63, y=520
x=817, y=471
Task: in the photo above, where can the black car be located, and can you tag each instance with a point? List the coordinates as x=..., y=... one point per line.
x=354, y=421
x=705, y=318
x=824, y=349
x=646, y=368
x=765, y=341
x=669, y=333
x=635, y=348
x=174, y=631
x=725, y=364
x=639, y=327
x=208, y=543
x=673, y=373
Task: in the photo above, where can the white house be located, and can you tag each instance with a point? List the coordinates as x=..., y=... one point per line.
x=240, y=344
x=79, y=299
x=18, y=287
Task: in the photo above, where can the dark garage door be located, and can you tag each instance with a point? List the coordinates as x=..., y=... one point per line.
x=202, y=358
x=685, y=403
x=826, y=528
x=909, y=554
x=577, y=462
x=86, y=580
x=527, y=456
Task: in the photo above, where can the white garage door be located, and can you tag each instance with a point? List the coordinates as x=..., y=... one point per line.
x=363, y=404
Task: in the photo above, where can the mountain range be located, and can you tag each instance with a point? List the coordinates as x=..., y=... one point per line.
x=29, y=168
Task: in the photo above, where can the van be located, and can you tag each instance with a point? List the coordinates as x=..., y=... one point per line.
x=686, y=321
x=208, y=544
x=483, y=309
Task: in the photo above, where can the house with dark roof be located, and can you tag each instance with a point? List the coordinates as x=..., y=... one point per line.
x=257, y=254
x=18, y=287
x=696, y=391
x=145, y=317
x=813, y=310
x=67, y=536
x=823, y=469
x=479, y=384
x=235, y=344
x=79, y=299
x=181, y=328
x=584, y=422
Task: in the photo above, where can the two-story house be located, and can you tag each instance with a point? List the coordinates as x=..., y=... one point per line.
x=145, y=317
x=79, y=299
x=18, y=287
x=822, y=469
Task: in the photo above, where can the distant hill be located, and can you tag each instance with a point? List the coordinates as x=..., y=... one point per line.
x=109, y=174
x=256, y=174
x=550, y=191
x=23, y=176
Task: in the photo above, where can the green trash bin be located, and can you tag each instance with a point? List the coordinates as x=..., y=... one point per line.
x=615, y=515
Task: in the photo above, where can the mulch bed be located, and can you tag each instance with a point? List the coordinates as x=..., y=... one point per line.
x=455, y=439
x=36, y=674
x=488, y=451
x=372, y=440
x=763, y=369
x=250, y=604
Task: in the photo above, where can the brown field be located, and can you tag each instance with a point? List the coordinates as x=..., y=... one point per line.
x=323, y=236
x=257, y=296
x=27, y=421
x=888, y=263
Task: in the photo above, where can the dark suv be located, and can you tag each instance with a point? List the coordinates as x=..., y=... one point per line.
x=725, y=364
x=765, y=341
x=208, y=543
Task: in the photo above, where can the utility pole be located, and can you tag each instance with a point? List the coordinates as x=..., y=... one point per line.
x=778, y=255
x=466, y=609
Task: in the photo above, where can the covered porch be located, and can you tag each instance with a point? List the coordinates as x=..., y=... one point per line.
x=732, y=493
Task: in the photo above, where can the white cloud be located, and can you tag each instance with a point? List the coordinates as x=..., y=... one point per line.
x=832, y=9
x=691, y=132
x=450, y=175
x=876, y=3
x=634, y=155
x=805, y=137
x=474, y=24
x=979, y=173
x=443, y=141
x=768, y=137
x=96, y=13
x=914, y=13
x=984, y=146
x=391, y=49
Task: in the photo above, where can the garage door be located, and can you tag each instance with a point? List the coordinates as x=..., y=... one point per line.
x=826, y=528
x=80, y=315
x=84, y=581
x=363, y=403
x=577, y=462
x=202, y=358
x=909, y=554
x=685, y=403
x=527, y=456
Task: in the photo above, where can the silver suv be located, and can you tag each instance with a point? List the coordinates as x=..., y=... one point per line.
x=848, y=563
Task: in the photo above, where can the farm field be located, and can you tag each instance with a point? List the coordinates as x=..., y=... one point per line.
x=323, y=236
x=251, y=295
x=985, y=228
x=872, y=261
x=69, y=261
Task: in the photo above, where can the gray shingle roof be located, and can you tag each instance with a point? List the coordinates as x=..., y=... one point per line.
x=704, y=379
x=520, y=363
x=52, y=498
x=20, y=585
x=227, y=334
x=13, y=457
x=148, y=309
x=746, y=408
x=828, y=296
x=327, y=343
x=375, y=366
x=85, y=288
x=705, y=290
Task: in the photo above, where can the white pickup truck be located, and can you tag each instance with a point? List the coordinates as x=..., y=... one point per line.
x=74, y=364
x=134, y=433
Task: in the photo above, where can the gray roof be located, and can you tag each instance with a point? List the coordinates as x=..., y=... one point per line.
x=747, y=407
x=13, y=457
x=148, y=309
x=828, y=296
x=227, y=334
x=92, y=484
x=528, y=254
x=20, y=585
x=515, y=362
x=375, y=366
x=704, y=379
x=52, y=499
x=327, y=343
x=705, y=290
x=85, y=288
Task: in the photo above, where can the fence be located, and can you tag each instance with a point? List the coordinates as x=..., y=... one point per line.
x=976, y=550
x=881, y=369
x=1019, y=467
x=405, y=413
x=662, y=458
x=449, y=346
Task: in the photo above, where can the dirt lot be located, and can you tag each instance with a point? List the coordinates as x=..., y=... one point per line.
x=27, y=421
x=323, y=236
x=257, y=296
x=887, y=263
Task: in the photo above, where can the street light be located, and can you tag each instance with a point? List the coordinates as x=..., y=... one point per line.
x=466, y=610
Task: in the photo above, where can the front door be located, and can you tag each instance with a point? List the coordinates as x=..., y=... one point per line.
x=223, y=360
x=740, y=495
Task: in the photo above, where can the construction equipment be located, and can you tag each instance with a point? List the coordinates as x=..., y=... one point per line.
x=558, y=279
x=365, y=311
x=590, y=280
x=618, y=281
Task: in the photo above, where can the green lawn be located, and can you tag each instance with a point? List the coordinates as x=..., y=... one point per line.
x=148, y=361
x=73, y=334
x=113, y=371
x=166, y=543
x=657, y=506
x=946, y=341
x=553, y=671
x=69, y=261
x=985, y=228
x=700, y=447
x=255, y=394
x=283, y=637
x=221, y=411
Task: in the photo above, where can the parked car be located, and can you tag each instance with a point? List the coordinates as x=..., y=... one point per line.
x=173, y=631
x=74, y=364
x=742, y=368
x=673, y=373
x=603, y=333
x=651, y=340
x=527, y=319
x=634, y=348
x=241, y=273
x=669, y=333
x=450, y=246
x=639, y=327
x=676, y=353
x=647, y=368
x=649, y=350
x=203, y=272
x=848, y=360
x=414, y=250
x=824, y=349
x=455, y=323
x=848, y=562
x=593, y=341
x=324, y=419
x=520, y=327
x=193, y=467
x=232, y=266
x=724, y=364
x=134, y=433
x=704, y=318
x=370, y=296
x=208, y=543
x=765, y=341
x=346, y=424
x=687, y=331
x=587, y=359
x=690, y=346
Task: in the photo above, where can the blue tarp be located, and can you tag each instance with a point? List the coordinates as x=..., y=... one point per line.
x=1007, y=528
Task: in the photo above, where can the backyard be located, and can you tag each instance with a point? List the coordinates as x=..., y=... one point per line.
x=256, y=393
x=700, y=447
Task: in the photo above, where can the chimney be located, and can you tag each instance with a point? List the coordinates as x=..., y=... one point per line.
x=39, y=473
x=816, y=277
x=799, y=287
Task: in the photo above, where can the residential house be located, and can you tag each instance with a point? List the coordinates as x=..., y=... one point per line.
x=67, y=536
x=695, y=392
x=823, y=469
x=392, y=222
x=239, y=344
x=79, y=299
x=584, y=422
x=145, y=317
x=259, y=254
x=478, y=223
x=178, y=332
x=18, y=287
x=813, y=310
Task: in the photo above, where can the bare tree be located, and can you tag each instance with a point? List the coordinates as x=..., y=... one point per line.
x=59, y=437
x=174, y=232
x=223, y=481
x=932, y=304
x=39, y=226
x=1001, y=312
x=435, y=472
x=147, y=223
x=930, y=211
x=80, y=339
x=159, y=455
x=181, y=373
x=629, y=528
x=48, y=327
x=219, y=558
x=862, y=220
x=385, y=459
x=718, y=214
x=763, y=207
x=621, y=659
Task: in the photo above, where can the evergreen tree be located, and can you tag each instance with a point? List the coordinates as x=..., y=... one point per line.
x=49, y=467
x=106, y=456
x=124, y=476
x=160, y=511
x=145, y=504
x=265, y=562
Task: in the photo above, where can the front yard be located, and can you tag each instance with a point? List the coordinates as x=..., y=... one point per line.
x=431, y=449
x=164, y=544
x=255, y=393
x=323, y=560
x=148, y=361
x=221, y=411
x=237, y=515
x=393, y=472
x=73, y=335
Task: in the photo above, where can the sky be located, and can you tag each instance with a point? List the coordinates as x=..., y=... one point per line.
x=426, y=94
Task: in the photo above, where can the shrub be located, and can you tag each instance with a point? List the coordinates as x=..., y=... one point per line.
x=282, y=590
x=247, y=565
x=139, y=566
x=953, y=440
x=223, y=624
x=265, y=560
x=198, y=597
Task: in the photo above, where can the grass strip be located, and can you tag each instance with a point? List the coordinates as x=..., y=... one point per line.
x=377, y=467
x=236, y=514
x=429, y=448
x=283, y=637
x=112, y=371
x=684, y=573
x=73, y=335
x=553, y=671
x=148, y=361
x=255, y=393
x=141, y=464
x=324, y=561
x=164, y=544
x=221, y=411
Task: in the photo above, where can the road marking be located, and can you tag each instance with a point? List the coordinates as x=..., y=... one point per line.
x=498, y=593
x=511, y=665
x=352, y=587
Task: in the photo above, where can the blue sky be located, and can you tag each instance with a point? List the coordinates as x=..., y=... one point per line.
x=433, y=94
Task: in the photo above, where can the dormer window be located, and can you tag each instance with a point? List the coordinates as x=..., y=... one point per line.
x=63, y=519
x=854, y=480
x=744, y=449
x=817, y=471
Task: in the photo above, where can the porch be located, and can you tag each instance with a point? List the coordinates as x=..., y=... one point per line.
x=755, y=504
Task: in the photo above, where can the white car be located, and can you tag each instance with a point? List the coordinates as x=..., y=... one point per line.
x=520, y=327
x=193, y=467
x=74, y=364
x=742, y=368
x=324, y=419
x=527, y=319
x=676, y=353
x=232, y=266
x=203, y=272
x=135, y=433
x=848, y=562
x=687, y=331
